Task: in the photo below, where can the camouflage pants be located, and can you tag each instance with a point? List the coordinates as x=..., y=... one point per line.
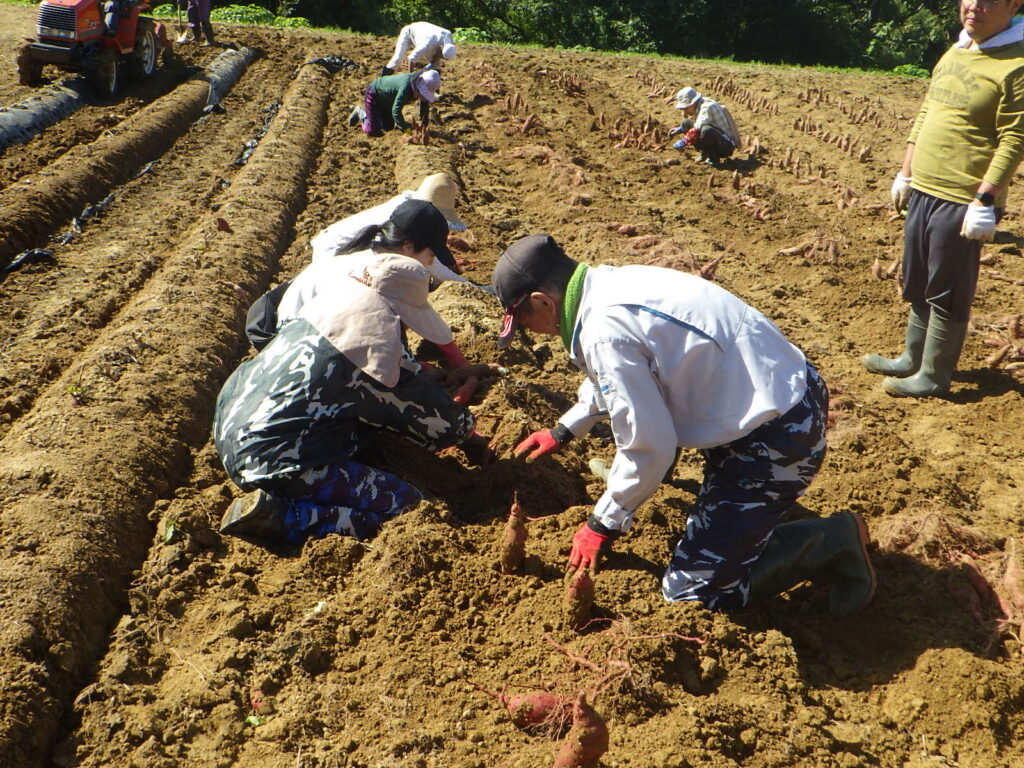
x=748, y=484
x=351, y=499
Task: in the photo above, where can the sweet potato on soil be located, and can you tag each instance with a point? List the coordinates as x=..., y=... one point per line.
x=535, y=710
x=587, y=740
x=540, y=709
x=579, y=600
x=993, y=360
x=513, y=546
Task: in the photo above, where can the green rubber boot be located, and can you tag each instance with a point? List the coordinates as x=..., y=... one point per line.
x=942, y=349
x=833, y=549
x=913, y=347
x=257, y=514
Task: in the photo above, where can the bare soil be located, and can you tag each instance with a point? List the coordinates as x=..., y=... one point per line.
x=133, y=634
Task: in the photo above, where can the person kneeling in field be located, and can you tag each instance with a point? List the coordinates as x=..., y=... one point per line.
x=386, y=96
x=352, y=235
x=290, y=421
x=673, y=360
x=707, y=126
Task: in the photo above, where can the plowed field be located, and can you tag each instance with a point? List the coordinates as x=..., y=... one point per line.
x=133, y=634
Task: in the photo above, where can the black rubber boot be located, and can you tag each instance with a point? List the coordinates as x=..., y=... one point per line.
x=257, y=514
x=913, y=347
x=385, y=71
x=942, y=347
x=832, y=550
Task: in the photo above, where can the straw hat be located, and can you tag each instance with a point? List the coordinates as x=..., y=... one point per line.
x=440, y=190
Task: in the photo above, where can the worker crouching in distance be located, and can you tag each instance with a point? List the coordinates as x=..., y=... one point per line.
x=674, y=361
x=290, y=422
x=386, y=96
x=707, y=126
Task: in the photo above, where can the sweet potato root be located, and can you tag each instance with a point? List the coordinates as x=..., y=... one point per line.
x=513, y=546
x=579, y=600
x=535, y=710
x=587, y=740
x=539, y=709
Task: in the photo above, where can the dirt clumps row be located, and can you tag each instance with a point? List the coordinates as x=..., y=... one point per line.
x=63, y=525
x=37, y=205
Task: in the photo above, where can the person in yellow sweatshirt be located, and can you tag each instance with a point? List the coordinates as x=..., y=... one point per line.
x=962, y=152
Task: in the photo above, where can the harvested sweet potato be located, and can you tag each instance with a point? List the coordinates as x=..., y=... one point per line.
x=513, y=546
x=579, y=599
x=587, y=739
x=535, y=710
x=538, y=709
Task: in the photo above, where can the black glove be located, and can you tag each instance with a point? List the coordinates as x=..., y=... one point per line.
x=384, y=71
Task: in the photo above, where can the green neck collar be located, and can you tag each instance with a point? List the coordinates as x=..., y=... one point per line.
x=571, y=305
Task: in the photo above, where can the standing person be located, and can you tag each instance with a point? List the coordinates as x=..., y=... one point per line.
x=707, y=126
x=386, y=96
x=198, y=12
x=673, y=360
x=961, y=155
x=429, y=45
x=289, y=422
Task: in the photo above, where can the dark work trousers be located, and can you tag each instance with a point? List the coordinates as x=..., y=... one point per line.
x=352, y=499
x=714, y=144
x=748, y=485
x=940, y=266
x=376, y=120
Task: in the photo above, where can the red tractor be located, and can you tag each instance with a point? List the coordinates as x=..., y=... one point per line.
x=101, y=38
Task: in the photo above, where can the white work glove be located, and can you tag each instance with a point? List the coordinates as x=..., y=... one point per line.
x=979, y=222
x=900, y=192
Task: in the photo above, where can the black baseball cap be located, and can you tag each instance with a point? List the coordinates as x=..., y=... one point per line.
x=521, y=269
x=423, y=223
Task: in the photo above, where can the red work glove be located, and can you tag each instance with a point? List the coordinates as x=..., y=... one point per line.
x=453, y=355
x=544, y=442
x=587, y=545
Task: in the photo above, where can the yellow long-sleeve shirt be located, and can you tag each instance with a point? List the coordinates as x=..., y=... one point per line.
x=971, y=124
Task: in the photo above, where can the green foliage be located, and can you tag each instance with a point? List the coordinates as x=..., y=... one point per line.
x=471, y=35
x=243, y=14
x=906, y=41
x=168, y=11
x=875, y=34
x=910, y=70
x=291, y=21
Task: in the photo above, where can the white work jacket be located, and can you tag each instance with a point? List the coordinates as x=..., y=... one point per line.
x=339, y=236
x=672, y=360
x=422, y=41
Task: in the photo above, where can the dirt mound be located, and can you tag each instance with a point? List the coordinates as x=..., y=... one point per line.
x=135, y=634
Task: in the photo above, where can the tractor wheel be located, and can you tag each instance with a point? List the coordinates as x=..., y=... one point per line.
x=106, y=77
x=143, y=60
x=30, y=71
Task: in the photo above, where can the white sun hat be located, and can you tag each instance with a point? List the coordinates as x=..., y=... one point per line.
x=428, y=84
x=687, y=97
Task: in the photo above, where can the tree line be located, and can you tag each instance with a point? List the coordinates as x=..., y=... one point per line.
x=873, y=34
